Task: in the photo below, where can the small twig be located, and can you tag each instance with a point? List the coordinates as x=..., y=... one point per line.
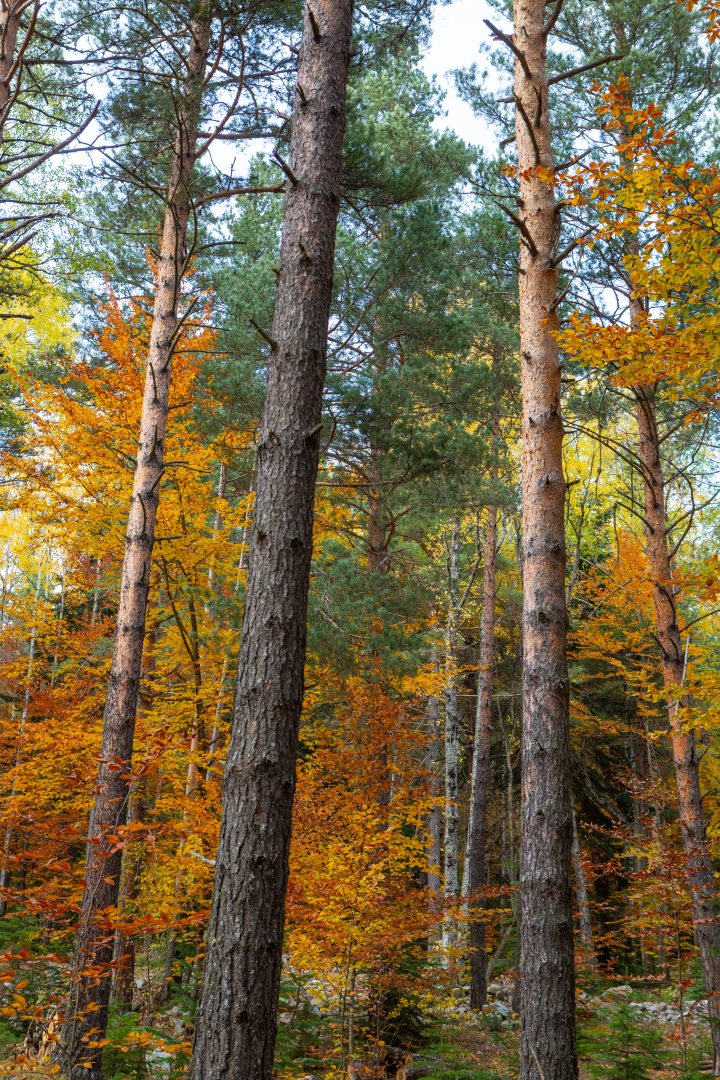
x=301, y=94
x=557, y=259
x=264, y=334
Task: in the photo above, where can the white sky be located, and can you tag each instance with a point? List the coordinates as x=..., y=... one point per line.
x=458, y=33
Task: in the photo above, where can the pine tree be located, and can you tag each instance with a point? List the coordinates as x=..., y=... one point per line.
x=237, y=1016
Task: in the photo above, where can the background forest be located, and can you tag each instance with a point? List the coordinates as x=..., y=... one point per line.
x=256, y=295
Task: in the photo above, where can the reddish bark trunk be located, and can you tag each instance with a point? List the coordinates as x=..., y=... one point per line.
x=700, y=874
x=548, y=1049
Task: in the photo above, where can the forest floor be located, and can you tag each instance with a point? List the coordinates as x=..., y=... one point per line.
x=625, y=1032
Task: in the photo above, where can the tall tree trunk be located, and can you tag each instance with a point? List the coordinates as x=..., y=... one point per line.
x=452, y=752
x=237, y=1016
x=11, y=13
x=86, y=1014
x=548, y=1050
x=477, y=824
x=699, y=867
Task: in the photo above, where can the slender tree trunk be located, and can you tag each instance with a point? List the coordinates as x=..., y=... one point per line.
x=639, y=861
x=548, y=1050
x=125, y=945
x=452, y=752
x=701, y=878
x=583, y=899
x=435, y=822
x=85, y=1020
x=124, y=949
x=27, y=694
x=215, y=738
x=96, y=594
x=214, y=744
x=477, y=825
x=237, y=1016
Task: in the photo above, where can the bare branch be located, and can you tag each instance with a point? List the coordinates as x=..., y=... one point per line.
x=550, y=24
x=584, y=67
x=507, y=40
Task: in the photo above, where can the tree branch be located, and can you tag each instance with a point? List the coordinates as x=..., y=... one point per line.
x=584, y=67
x=507, y=40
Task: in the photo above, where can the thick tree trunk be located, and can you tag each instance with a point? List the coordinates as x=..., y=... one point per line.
x=547, y=964
x=477, y=824
x=237, y=1016
x=85, y=1020
x=452, y=753
x=11, y=12
x=701, y=878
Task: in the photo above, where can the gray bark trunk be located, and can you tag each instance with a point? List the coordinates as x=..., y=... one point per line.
x=452, y=753
x=583, y=899
x=435, y=822
x=237, y=1015
x=477, y=825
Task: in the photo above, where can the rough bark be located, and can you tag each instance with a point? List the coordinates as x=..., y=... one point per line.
x=11, y=13
x=237, y=1016
x=452, y=752
x=477, y=823
x=548, y=1049
x=87, y=1007
x=698, y=863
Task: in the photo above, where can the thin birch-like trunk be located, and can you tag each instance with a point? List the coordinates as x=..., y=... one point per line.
x=435, y=820
x=27, y=693
x=86, y=1013
x=477, y=825
x=583, y=899
x=452, y=754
